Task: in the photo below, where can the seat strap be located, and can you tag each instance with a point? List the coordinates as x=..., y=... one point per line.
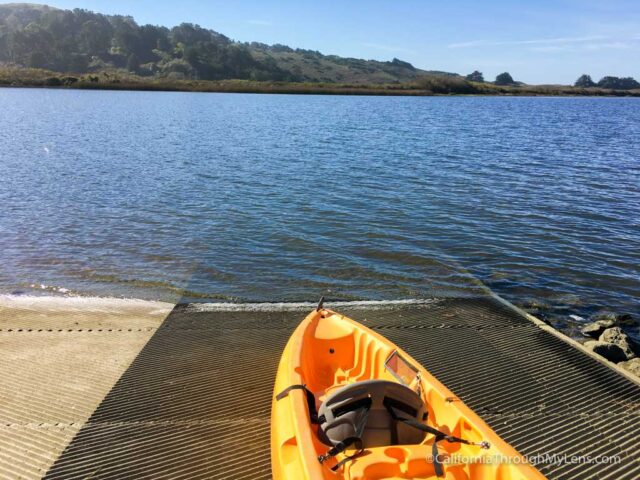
x=311, y=400
x=340, y=447
x=437, y=465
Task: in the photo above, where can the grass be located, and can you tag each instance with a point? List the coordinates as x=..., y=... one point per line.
x=428, y=85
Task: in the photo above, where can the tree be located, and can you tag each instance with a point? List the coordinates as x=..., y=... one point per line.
x=396, y=62
x=585, y=82
x=446, y=84
x=53, y=82
x=94, y=37
x=617, y=83
x=133, y=63
x=504, y=79
x=189, y=34
x=81, y=41
x=126, y=37
x=476, y=76
x=37, y=60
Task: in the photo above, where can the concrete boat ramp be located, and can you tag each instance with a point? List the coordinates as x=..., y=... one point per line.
x=149, y=390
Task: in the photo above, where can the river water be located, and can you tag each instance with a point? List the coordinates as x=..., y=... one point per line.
x=233, y=197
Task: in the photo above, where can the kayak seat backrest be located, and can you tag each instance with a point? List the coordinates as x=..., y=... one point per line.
x=342, y=413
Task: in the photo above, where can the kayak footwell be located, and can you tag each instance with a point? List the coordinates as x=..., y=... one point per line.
x=196, y=401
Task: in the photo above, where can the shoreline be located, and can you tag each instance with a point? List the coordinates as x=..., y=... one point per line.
x=27, y=313
x=96, y=304
x=88, y=303
x=91, y=302
x=324, y=91
x=19, y=77
x=38, y=313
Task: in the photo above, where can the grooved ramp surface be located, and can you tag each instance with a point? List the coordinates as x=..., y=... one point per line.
x=56, y=366
x=195, y=403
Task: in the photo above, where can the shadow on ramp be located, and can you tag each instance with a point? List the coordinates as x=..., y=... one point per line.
x=196, y=401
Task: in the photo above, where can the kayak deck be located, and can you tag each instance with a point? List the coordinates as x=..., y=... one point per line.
x=370, y=384
x=173, y=408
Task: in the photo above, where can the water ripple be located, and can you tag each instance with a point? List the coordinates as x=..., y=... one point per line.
x=265, y=198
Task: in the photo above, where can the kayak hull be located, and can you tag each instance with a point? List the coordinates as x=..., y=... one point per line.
x=328, y=351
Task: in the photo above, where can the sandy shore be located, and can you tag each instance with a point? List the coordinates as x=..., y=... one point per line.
x=60, y=357
x=78, y=312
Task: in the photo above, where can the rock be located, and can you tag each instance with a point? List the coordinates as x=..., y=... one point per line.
x=616, y=336
x=610, y=351
x=567, y=300
x=534, y=307
x=595, y=329
x=632, y=366
x=603, y=315
x=625, y=319
x=612, y=335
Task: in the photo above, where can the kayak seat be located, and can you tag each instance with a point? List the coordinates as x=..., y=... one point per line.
x=361, y=410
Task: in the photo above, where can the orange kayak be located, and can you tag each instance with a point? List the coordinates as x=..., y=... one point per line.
x=349, y=404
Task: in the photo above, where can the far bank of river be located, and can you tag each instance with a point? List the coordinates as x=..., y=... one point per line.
x=119, y=80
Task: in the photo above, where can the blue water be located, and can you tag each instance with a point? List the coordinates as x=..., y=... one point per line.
x=278, y=197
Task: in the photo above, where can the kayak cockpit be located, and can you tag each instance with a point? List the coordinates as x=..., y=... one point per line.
x=339, y=354
x=349, y=404
x=366, y=390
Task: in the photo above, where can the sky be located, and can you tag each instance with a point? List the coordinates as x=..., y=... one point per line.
x=537, y=41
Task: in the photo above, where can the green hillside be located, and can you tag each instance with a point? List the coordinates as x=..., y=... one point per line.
x=80, y=41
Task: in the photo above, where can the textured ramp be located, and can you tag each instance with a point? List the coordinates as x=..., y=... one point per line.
x=57, y=362
x=195, y=402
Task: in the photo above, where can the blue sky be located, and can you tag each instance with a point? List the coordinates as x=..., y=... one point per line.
x=536, y=41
